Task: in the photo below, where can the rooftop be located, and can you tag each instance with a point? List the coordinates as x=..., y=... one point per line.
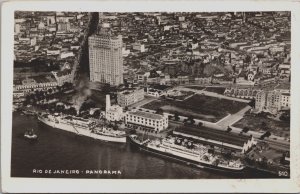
x=283, y=86
x=64, y=72
x=214, y=134
x=159, y=87
x=129, y=90
x=146, y=114
x=115, y=108
x=286, y=94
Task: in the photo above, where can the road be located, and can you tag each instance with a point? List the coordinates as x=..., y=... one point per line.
x=207, y=93
x=231, y=119
x=146, y=100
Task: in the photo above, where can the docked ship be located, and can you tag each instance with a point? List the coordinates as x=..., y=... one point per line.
x=188, y=152
x=84, y=127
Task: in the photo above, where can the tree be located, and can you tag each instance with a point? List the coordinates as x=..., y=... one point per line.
x=176, y=116
x=205, y=158
x=229, y=129
x=264, y=162
x=50, y=91
x=200, y=124
x=245, y=129
x=159, y=111
x=72, y=111
x=96, y=114
x=115, y=127
x=58, y=88
x=268, y=134
x=262, y=137
x=252, y=103
x=263, y=125
x=191, y=119
x=285, y=116
x=216, y=162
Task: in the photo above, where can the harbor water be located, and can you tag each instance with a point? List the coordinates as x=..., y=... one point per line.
x=61, y=154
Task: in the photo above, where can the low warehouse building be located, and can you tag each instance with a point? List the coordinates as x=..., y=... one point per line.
x=231, y=141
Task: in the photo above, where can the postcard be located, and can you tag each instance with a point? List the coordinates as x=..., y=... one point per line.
x=140, y=96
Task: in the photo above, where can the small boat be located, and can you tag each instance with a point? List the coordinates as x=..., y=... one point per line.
x=28, y=112
x=29, y=134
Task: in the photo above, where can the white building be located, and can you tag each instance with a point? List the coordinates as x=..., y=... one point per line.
x=114, y=112
x=53, y=51
x=125, y=52
x=138, y=47
x=41, y=25
x=285, y=102
x=66, y=54
x=63, y=26
x=18, y=94
x=30, y=84
x=272, y=101
x=155, y=121
x=181, y=18
x=106, y=60
x=33, y=41
x=17, y=28
x=128, y=97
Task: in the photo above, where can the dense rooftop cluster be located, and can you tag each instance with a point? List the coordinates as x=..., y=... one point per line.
x=230, y=47
x=47, y=41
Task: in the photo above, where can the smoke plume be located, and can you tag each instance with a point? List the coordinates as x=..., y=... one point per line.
x=83, y=91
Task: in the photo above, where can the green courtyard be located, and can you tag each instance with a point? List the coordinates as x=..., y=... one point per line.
x=201, y=107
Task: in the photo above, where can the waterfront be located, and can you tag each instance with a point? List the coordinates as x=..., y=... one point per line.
x=65, y=83
x=59, y=150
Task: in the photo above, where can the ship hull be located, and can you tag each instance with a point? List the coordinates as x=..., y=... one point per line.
x=187, y=161
x=82, y=131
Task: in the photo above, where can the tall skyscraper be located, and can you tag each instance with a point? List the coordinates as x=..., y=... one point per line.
x=105, y=56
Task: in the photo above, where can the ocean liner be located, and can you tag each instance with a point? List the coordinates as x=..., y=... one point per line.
x=187, y=152
x=84, y=127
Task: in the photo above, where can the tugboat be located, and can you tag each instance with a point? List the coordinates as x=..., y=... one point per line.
x=29, y=134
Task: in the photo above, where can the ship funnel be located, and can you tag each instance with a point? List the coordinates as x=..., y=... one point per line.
x=107, y=102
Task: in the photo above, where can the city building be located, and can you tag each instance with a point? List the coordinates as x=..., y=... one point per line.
x=18, y=96
x=285, y=102
x=156, y=90
x=138, y=47
x=130, y=96
x=202, y=80
x=146, y=119
x=242, y=92
x=106, y=60
x=63, y=76
x=34, y=83
x=260, y=100
x=63, y=26
x=272, y=101
x=113, y=112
